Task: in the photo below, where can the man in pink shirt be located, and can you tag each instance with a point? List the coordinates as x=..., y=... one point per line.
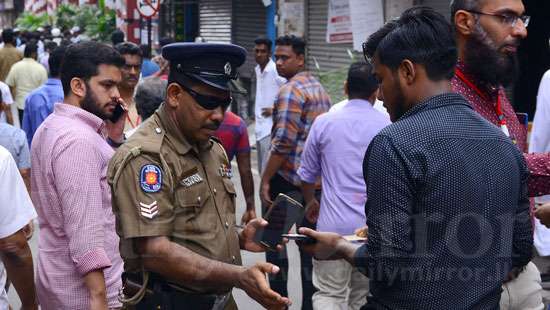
x=79, y=265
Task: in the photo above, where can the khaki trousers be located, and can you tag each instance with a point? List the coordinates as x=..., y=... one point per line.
x=524, y=292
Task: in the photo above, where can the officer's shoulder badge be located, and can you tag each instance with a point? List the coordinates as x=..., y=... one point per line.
x=150, y=178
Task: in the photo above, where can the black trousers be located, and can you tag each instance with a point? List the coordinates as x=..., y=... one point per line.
x=20, y=113
x=278, y=282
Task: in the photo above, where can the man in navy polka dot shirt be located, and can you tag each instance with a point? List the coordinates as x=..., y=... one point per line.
x=447, y=208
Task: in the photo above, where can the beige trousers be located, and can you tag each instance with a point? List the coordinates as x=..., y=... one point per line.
x=340, y=286
x=524, y=292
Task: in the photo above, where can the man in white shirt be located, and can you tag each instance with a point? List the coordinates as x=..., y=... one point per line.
x=16, y=211
x=5, y=104
x=268, y=83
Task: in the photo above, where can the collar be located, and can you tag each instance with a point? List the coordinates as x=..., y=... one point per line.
x=175, y=136
x=79, y=114
x=435, y=102
x=490, y=90
x=53, y=82
x=29, y=59
x=359, y=103
x=270, y=66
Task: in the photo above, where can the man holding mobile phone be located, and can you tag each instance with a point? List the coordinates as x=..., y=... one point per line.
x=79, y=265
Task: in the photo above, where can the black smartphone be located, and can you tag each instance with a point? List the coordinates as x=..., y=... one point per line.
x=117, y=113
x=284, y=213
x=300, y=238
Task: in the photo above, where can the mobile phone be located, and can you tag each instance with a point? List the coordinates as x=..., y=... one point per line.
x=117, y=113
x=300, y=238
x=284, y=213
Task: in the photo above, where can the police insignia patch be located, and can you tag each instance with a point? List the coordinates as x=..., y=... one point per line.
x=150, y=178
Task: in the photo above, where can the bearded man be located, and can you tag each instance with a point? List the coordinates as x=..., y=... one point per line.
x=488, y=34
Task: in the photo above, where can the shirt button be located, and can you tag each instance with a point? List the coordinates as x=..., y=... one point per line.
x=158, y=130
x=227, y=224
x=215, y=191
x=233, y=258
x=199, y=199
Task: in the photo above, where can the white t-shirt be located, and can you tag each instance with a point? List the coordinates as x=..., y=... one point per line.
x=16, y=209
x=268, y=83
x=6, y=98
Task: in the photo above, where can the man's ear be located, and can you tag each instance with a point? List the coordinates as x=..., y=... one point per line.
x=464, y=22
x=78, y=87
x=346, y=90
x=172, y=93
x=407, y=72
x=301, y=60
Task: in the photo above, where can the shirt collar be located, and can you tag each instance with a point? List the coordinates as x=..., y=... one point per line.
x=85, y=117
x=53, y=82
x=436, y=101
x=359, y=103
x=29, y=59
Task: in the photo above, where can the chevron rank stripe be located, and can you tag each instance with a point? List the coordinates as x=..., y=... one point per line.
x=149, y=210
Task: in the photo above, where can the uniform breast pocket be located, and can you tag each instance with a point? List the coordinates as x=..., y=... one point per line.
x=192, y=210
x=230, y=190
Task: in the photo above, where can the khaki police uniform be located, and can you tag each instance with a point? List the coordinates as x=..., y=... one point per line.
x=164, y=186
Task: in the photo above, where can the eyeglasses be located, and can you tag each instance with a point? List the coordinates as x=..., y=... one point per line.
x=207, y=102
x=509, y=19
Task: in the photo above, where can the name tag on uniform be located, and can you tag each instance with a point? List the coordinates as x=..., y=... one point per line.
x=191, y=177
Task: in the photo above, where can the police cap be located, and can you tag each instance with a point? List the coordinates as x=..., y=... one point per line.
x=211, y=63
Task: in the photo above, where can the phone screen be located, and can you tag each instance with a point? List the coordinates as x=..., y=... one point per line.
x=284, y=213
x=117, y=113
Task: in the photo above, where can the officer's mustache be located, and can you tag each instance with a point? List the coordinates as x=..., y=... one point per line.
x=214, y=126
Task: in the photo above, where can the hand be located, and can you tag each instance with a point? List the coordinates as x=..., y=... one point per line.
x=116, y=130
x=543, y=214
x=253, y=281
x=312, y=211
x=28, y=230
x=246, y=238
x=265, y=194
x=248, y=216
x=327, y=247
x=267, y=112
x=362, y=232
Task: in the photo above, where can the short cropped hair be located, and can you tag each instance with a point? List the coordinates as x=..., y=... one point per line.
x=55, y=60
x=30, y=49
x=361, y=80
x=420, y=35
x=82, y=60
x=128, y=48
x=8, y=36
x=117, y=37
x=467, y=5
x=298, y=44
x=264, y=40
x=149, y=95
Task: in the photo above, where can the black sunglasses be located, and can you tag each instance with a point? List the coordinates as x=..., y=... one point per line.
x=207, y=102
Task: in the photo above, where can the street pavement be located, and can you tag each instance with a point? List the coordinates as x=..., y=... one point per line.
x=243, y=301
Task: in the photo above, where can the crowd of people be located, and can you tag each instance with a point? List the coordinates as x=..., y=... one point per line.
x=124, y=162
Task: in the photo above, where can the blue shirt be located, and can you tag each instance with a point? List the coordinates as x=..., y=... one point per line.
x=447, y=210
x=39, y=104
x=15, y=141
x=148, y=67
x=334, y=151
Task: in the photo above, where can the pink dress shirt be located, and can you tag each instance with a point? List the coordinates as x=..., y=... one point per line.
x=69, y=157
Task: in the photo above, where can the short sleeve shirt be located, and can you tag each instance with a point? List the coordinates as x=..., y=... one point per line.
x=233, y=135
x=163, y=186
x=6, y=99
x=15, y=141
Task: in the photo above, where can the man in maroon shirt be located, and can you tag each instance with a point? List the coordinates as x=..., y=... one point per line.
x=488, y=34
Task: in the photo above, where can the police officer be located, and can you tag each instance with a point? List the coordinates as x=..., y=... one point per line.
x=173, y=198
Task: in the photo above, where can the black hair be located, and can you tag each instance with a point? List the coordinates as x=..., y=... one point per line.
x=55, y=60
x=8, y=37
x=264, y=40
x=31, y=48
x=361, y=80
x=50, y=46
x=165, y=41
x=117, y=37
x=420, y=35
x=149, y=95
x=128, y=48
x=145, y=51
x=298, y=44
x=82, y=59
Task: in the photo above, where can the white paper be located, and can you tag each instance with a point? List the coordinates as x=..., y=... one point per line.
x=366, y=18
x=266, y=2
x=339, y=22
x=394, y=8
